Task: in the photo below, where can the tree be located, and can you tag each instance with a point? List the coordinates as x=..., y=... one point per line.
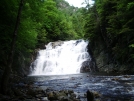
x=7, y=71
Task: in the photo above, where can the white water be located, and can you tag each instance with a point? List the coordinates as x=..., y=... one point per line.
x=60, y=60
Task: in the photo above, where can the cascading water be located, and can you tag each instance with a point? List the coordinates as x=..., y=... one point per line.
x=59, y=59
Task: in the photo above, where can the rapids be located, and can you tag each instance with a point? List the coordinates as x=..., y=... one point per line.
x=109, y=87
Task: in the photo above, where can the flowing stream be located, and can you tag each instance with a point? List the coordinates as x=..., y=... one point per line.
x=60, y=58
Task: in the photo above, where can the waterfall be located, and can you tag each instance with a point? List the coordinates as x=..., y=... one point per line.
x=59, y=58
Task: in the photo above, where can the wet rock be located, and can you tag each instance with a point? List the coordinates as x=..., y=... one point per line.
x=21, y=84
x=96, y=94
x=90, y=96
x=85, y=67
x=63, y=98
x=64, y=95
x=78, y=41
x=39, y=95
x=127, y=76
x=97, y=100
x=4, y=98
x=115, y=79
x=57, y=43
x=52, y=96
x=72, y=78
x=31, y=92
x=70, y=91
x=72, y=96
x=17, y=92
x=30, y=100
x=88, y=66
x=44, y=99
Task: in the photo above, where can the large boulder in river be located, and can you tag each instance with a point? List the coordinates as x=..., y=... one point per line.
x=88, y=66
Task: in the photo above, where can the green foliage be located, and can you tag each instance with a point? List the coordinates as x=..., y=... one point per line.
x=61, y=22
x=130, y=5
x=113, y=26
x=27, y=34
x=132, y=45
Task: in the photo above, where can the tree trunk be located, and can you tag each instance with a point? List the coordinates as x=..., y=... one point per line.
x=7, y=71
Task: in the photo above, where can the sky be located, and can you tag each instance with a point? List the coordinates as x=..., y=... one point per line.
x=77, y=3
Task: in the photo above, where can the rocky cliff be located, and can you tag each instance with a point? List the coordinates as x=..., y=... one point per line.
x=105, y=61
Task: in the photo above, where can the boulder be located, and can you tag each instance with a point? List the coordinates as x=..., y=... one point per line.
x=78, y=41
x=90, y=96
x=88, y=66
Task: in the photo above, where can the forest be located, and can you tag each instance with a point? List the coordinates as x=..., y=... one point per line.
x=28, y=25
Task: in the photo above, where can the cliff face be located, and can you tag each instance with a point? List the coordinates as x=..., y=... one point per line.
x=105, y=61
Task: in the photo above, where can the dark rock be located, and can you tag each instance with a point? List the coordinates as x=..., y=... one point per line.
x=78, y=41
x=72, y=95
x=63, y=95
x=4, y=98
x=52, y=96
x=96, y=94
x=31, y=92
x=44, y=99
x=90, y=96
x=30, y=100
x=70, y=91
x=17, y=92
x=21, y=84
x=63, y=98
x=85, y=67
x=88, y=66
x=57, y=43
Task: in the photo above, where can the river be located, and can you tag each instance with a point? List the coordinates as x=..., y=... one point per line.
x=110, y=88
